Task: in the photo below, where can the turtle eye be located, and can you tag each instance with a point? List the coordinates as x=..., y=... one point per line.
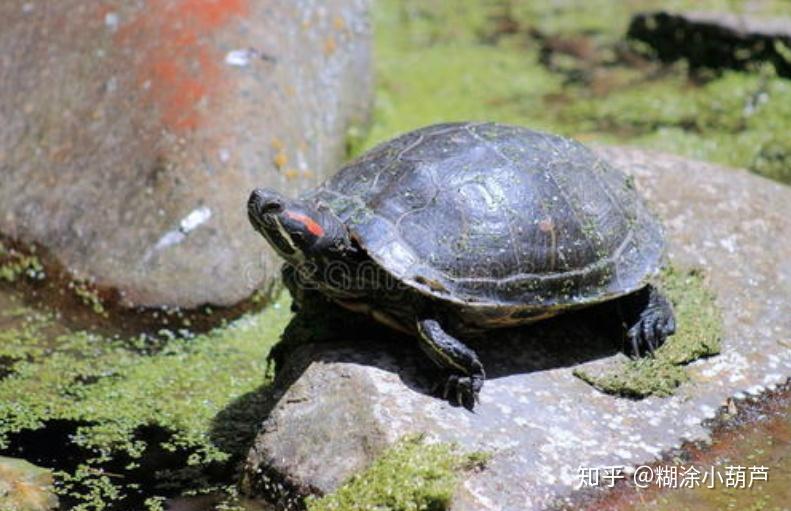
x=272, y=208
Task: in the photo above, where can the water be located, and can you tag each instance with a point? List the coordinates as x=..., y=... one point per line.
x=758, y=436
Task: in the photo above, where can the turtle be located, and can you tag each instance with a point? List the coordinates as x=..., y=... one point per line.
x=460, y=228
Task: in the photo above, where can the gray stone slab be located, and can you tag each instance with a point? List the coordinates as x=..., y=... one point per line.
x=338, y=405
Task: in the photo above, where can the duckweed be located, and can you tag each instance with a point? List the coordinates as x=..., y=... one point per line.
x=202, y=394
x=567, y=69
x=15, y=264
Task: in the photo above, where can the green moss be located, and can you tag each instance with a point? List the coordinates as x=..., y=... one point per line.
x=411, y=475
x=730, y=103
x=734, y=120
x=480, y=60
x=773, y=159
x=201, y=392
x=15, y=264
x=698, y=333
x=89, y=296
x=431, y=68
x=634, y=110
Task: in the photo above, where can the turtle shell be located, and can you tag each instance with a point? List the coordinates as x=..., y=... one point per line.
x=496, y=215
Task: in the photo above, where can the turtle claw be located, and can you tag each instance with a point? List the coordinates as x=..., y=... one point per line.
x=462, y=371
x=461, y=390
x=644, y=338
x=653, y=326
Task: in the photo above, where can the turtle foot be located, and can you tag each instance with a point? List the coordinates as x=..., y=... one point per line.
x=460, y=390
x=462, y=370
x=654, y=324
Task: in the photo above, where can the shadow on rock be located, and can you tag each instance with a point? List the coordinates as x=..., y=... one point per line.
x=335, y=369
x=330, y=334
x=235, y=427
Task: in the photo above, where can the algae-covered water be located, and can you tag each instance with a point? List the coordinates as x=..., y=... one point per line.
x=566, y=66
x=129, y=421
x=126, y=420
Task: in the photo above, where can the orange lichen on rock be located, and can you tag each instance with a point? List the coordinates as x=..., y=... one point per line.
x=330, y=46
x=280, y=160
x=174, y=58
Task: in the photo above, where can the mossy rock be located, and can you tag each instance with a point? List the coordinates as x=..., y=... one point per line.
x=774, y=159
x=25, y=487
x=410, y=475
x=699, y=328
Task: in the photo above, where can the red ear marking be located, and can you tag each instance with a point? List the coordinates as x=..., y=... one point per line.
x=314, y=228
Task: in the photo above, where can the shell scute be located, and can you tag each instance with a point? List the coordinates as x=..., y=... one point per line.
x=497, y=215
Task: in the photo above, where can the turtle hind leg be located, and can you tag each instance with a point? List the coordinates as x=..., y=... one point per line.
x=464, y=373
x=648, y=318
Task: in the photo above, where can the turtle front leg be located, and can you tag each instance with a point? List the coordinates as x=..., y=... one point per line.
x=649, y=319
x=465, y=371
x=289, y=275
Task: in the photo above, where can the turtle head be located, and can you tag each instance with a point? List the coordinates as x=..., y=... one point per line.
x=294, y=228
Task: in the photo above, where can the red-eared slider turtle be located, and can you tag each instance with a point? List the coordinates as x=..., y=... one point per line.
x=461, y=227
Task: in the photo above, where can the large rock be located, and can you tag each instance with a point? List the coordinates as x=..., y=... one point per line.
x=338, y=405
x=716, y=39
x=25, y=487
x=133, y=132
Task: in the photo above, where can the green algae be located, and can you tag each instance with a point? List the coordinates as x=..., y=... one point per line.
x=562, y=68
x=15, y=264
x=734, y=120
x=773, y=158
x=431, y=67
x=199, y=392
x=410, y=475
x=699, y=328
x=89, y=296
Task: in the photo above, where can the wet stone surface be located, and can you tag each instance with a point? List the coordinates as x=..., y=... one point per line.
x=25, y=487
x=133, y=132
x=347, y=401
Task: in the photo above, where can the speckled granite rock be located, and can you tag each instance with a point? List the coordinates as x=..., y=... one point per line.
x=338, y=405
x=133, y=132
